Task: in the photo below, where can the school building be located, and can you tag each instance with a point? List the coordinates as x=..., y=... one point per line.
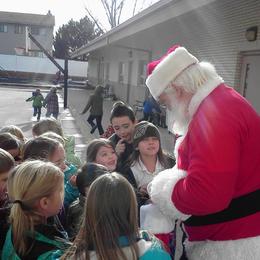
x=224, y=32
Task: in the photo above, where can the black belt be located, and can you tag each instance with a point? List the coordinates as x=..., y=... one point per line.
x=240, y=207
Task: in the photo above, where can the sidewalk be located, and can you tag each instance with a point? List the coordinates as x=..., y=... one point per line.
x=77, y=99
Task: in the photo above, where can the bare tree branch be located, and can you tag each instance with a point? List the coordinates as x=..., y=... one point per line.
x=133, y=13
x=103, y=30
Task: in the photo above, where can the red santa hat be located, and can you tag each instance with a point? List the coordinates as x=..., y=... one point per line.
x=161, y=72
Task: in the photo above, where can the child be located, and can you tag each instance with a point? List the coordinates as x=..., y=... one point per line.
x=37, y=100
x=123, y=121
x=86, y=175
x=12, y=145
x=44, y=148
x=36, y=189
x=95, y=104
x=6, y=164
x=148, y=159
x=53, y=125
x=102, y=151
x=110, y=229
x=110, y=130
x=14, y=130
x=51, y=103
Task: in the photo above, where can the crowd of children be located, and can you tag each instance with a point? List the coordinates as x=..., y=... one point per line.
x=55, y=207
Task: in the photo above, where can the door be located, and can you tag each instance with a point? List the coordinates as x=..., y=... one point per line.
x=251, y=80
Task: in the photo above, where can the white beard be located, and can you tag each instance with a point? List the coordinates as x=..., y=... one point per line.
x=178, y=117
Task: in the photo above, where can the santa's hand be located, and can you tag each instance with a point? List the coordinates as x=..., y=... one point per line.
x=161, y=189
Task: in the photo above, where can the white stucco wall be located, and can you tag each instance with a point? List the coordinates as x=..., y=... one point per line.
x=41, y=65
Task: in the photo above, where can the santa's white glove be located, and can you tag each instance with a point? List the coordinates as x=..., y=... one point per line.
x=160, y=191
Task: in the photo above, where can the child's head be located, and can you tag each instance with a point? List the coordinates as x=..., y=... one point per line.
x=98, y=90
x=87, y=174
x=123, y=120
x=54, y=136
x=36, y=189
x=11, y=144
x=6, y=164
x=102, y=151
x=146, y=140
x=46, y=125
x=14, y=130
x=44, y=148
x=111, y=212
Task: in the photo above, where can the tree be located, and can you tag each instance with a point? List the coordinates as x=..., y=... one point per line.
x=73, y=35
x=114, y=9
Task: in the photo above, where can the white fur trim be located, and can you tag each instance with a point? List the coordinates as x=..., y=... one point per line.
x=168, y=69
x=202, y=93
x=240, y=249
x=161, y=188
x=152, y=219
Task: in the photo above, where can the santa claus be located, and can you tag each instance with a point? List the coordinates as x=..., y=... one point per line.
x=215, y=186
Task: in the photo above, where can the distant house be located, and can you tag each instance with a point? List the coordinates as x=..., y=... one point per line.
x=224, y=32
x=14, y=28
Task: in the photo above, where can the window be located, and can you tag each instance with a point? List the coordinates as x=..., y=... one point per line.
x=3, y=27
x=19, y=29
x=35, y=30
x=142, y=72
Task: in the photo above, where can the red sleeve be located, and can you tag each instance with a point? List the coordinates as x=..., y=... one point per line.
x=212, y=148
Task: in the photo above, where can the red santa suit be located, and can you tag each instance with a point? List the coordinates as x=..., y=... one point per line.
x=218, y=160
x=215, y=186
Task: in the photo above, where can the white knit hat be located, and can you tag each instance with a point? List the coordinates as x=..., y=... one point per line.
x=161, y=72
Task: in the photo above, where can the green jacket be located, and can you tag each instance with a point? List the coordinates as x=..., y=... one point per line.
x=37, y=100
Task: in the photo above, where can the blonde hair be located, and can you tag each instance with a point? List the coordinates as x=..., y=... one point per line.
x=27, y=184
x=192, y=78
x=46, y=125
x=54, y=136
x=14, y=130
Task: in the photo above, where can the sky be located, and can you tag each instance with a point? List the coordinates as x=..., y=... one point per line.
x=64, y=10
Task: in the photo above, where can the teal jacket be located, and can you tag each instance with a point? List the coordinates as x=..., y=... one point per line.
x=45, y=245
x=149, y=249
x=71, y=192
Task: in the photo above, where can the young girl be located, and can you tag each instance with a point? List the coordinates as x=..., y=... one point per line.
x=44, y=148
x=110, y=229
x=37, y=99
x=86, y=175
x=123, y=121
x=36, y=189
x=51, y=103
x=102, y=151
x=12, y=145
x=14, y=130
x=95, y=104
x=53, y=125
x=6, y=164
x=148, y=159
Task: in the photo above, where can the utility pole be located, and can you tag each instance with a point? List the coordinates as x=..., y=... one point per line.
x=64, y=71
